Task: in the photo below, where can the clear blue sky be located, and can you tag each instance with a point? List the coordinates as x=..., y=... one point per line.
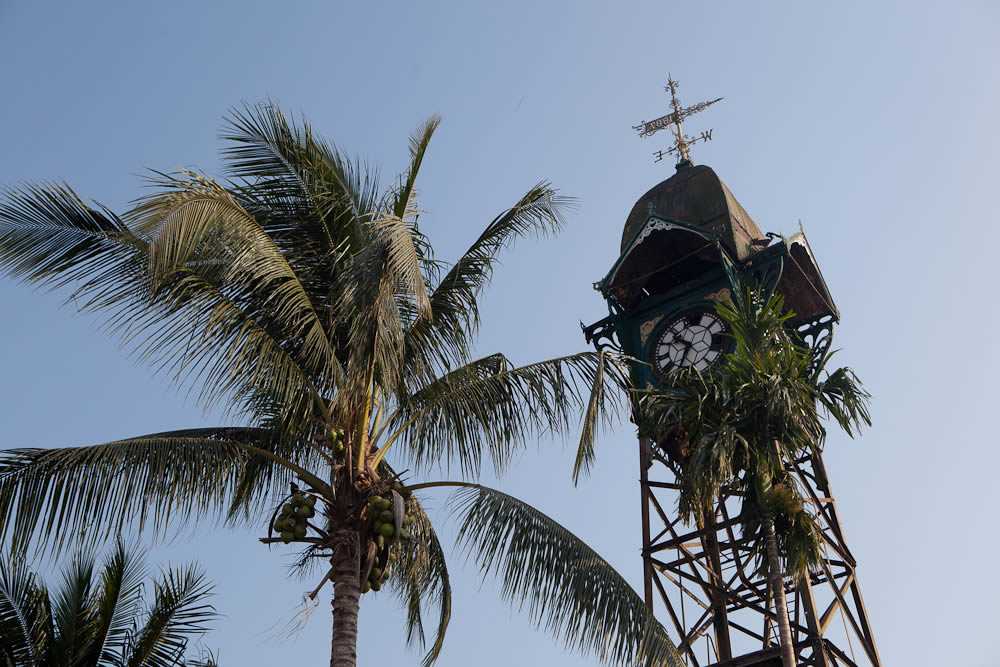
x=873, y=123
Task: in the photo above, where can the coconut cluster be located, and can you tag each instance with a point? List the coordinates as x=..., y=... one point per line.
x=290, y=523
x=386, y=533
x=335, y=436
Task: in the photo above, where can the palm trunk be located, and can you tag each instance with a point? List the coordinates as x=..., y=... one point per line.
x=776, y=578
x=346, y=595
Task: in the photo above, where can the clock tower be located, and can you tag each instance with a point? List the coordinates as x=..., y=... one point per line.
x=688, y=243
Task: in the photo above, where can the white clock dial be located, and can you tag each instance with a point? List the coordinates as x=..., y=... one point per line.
x=696, y=337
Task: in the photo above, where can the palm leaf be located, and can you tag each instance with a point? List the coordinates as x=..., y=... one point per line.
x=51, y=236
x=566, y=586
x=609, y=368
x=843, y=397
x=116, y=603
x=421, y=575
x=488, y=407
x=73, y=613
x=199, y=334
x=23, y=616
x=445, y=340
x=58, y=495
x=419, y=140
x=179, y=612
x=403, y=261
x=196, y=221
x=286, y=162
x=282, y=168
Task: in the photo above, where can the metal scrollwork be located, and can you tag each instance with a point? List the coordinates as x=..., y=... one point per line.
x=655, y=225
x=817, y=335
x=602, y=334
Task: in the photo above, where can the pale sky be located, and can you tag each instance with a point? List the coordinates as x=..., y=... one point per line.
x=872, y=123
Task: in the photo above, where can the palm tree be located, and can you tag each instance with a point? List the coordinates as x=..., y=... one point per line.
x=308, y=302
x=739, y=425
x=97, y=619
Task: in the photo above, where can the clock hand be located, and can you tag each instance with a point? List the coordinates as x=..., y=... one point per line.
x=685, y=346
x=686, y=353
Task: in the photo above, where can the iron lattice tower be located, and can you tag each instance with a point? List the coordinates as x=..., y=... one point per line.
x=702, y=587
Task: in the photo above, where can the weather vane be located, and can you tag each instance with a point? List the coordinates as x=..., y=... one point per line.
x=673, y=121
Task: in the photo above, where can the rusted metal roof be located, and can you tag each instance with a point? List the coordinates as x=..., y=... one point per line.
x=697, y=196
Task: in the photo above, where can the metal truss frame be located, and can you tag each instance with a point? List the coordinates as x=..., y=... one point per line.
x=718, y=607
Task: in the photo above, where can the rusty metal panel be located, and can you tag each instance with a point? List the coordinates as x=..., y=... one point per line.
x=697, y=196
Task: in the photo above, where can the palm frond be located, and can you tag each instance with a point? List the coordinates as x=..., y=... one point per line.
x=419, y=140
x=610, y=369
x=368, y=301
x=844, y=398
x=23, y=615
x=197, y=333
x=796, y=529
x=285, y=161
x=403, y=262
x=49, y=235
x=117, y=601
x=59, y=495
x=445, y=340
x=566, y=586
x=421, y=576
x=179, y=612
x=489, y=408
x=195, y=221
x=282, y=168
x=74, y=612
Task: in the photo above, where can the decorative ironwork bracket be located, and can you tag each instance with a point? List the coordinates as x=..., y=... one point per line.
x=602, y=334
x=817, y=335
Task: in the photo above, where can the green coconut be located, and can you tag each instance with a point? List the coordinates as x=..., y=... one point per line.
x=386, y=516
x=287, y=536
x=385, y=529
x=383, y=504
x=300, y=531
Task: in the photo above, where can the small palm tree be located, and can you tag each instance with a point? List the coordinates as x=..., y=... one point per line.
x=739, y=425
x=98, y=619
x=309, y=302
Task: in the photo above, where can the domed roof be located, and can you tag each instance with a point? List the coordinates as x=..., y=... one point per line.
x=695, y=195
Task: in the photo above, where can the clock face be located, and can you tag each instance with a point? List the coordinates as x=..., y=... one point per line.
x=696, y=337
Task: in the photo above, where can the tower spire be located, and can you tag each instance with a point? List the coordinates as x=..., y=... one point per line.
x=682, y=143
